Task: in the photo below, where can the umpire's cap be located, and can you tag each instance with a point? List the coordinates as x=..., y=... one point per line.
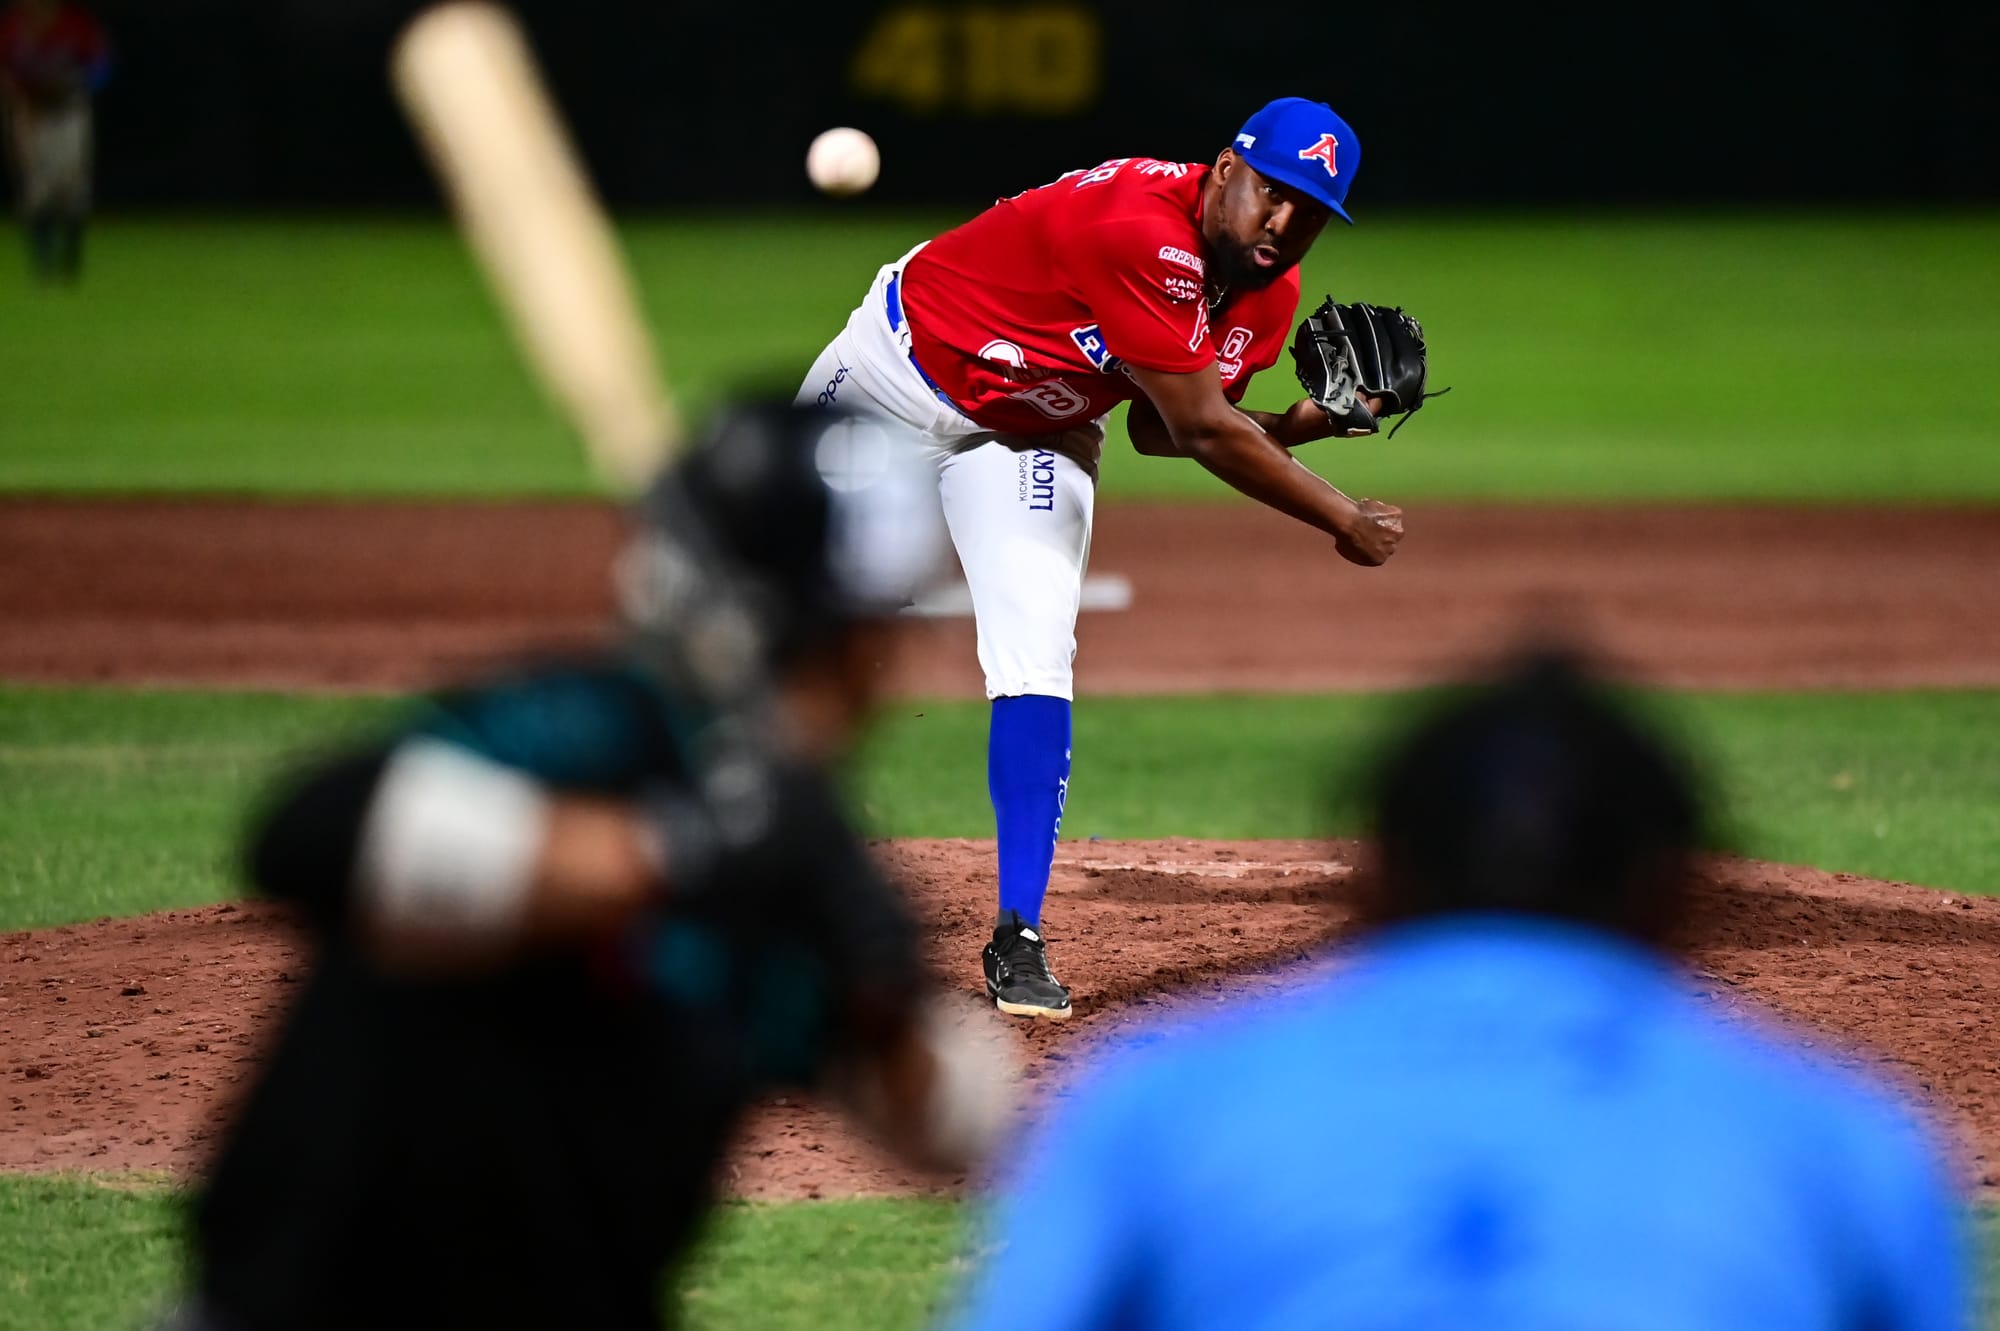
x=777, y=527
x=1538, y=792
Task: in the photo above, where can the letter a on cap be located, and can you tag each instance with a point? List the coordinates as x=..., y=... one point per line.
x=1322, y=152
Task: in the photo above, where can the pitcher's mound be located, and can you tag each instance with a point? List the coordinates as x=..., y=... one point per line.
x=121, y=1039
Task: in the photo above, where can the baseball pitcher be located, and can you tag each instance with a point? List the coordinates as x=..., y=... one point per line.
x=1005, y=342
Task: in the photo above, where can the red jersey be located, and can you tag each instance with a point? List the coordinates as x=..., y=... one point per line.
x=54, y=62
x=1028, y=315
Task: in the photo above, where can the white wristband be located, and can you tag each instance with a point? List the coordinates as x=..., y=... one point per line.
x=450, y=843
x=975, y=1084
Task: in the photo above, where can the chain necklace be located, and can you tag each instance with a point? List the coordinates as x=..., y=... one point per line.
x=1215, y=301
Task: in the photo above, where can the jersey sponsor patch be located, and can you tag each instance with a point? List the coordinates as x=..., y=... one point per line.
x=1089, y=340
x=1230, y=362
x=1181, y=287
x=1053, y=398
x=1191, y=262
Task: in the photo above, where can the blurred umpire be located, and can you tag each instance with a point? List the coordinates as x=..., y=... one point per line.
x=1509, y=1110
x=569, y=923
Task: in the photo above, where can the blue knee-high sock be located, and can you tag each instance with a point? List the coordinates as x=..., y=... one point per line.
x=1027, y=774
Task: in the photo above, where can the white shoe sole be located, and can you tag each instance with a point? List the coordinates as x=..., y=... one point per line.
x=1031, y=1010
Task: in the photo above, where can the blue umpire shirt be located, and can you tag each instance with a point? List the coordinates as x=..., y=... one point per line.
x=1483, y=1122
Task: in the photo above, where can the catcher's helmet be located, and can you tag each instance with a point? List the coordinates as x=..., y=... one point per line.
x=778, y=526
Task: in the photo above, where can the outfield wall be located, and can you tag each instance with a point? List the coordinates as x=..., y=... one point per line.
x=248, y=102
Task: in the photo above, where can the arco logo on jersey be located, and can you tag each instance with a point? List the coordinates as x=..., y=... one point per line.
x=1053, y=398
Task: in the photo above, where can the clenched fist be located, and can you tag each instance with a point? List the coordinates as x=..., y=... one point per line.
x=1372, y=535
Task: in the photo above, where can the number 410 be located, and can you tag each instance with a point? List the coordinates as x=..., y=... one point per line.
x=1041, y=60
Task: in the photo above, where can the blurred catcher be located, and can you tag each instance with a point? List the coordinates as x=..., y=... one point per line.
x=1507, y=1110
x=570, y=922
x=53, y=57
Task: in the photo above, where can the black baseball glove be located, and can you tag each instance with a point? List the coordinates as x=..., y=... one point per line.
x=1346, y=352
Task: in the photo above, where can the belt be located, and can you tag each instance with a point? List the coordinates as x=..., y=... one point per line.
x=892, y=302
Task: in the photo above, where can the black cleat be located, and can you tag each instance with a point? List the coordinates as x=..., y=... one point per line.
x=1018, y=979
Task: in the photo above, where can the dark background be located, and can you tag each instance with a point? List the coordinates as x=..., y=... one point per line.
x=284, y=103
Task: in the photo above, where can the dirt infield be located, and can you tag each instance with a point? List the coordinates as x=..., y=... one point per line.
x=1224, y=596
x=122, y=1037
x=119, y=1039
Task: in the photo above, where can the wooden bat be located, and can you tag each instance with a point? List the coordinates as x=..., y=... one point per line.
x=470, y=86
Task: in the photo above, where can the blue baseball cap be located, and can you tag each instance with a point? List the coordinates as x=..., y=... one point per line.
x=1302, y=143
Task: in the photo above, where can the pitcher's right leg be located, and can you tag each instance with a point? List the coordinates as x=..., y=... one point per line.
x=1020, y=518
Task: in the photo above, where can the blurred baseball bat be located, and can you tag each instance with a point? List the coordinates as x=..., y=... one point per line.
x=469, y=85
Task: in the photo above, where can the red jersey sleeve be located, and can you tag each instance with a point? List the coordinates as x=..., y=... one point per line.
x=1147, y=304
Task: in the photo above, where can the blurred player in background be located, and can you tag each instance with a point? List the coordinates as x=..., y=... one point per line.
x=1509, y=1109
x=1006, y=342
x=570, y=923
x=53, y=59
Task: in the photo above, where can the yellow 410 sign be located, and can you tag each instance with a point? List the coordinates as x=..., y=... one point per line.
x=1029, y=60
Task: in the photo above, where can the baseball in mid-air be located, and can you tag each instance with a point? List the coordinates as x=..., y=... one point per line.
x=843, y=161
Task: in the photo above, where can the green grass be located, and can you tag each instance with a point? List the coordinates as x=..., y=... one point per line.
x=1892, y=785
x=108, y=1253
x=114, y=803
x=118, y=803
x=77, y=1252
x=1702, y=357
x=813, y=1265
x=104, y=1254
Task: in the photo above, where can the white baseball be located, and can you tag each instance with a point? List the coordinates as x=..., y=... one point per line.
x=843, y=161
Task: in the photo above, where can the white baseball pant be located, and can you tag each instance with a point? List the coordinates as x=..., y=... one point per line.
x=53, y=147
x=1019, y=507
